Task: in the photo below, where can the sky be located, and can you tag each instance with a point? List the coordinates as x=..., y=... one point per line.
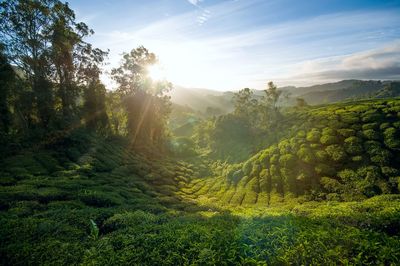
x=232, y=44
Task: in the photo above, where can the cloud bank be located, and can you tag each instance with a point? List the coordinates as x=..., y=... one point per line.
x=228, y=52
x=381, y=63
x=195, y=2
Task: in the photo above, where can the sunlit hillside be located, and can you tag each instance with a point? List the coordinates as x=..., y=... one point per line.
x=199, y=132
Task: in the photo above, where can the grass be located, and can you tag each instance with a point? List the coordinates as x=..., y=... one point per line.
x=151, y=211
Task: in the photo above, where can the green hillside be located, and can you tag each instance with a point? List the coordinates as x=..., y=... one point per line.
x=201, y=99
x=346, y=151
x=151, y=173
x=99, y=203
x=345, y=90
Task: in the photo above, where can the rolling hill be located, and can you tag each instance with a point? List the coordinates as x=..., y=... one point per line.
x=201, y=99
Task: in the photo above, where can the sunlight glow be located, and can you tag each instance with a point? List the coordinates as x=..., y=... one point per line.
x=157, y=72
x=193, y=65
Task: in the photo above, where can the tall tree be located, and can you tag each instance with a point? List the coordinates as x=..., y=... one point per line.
x=68, y=49
x=242, y=101
x=44, y=41
x=300, y=102
x=94, y=92
x=94, y=109
x=270, y=105
x=7, y=77
x=24, y=28
x=246, y=106
x=146, y=104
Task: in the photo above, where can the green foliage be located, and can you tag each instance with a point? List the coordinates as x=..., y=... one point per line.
x=182, y=146
x=331, y=184
x=353, y=145
x=322, y=155
x=98, y=199
x=371, y=134
x=391, y=136
x=328, y=139
x=145, y=210
x=324, y=170
x=314, y=136
x=94, y=230
x=346, y=132
x=146, y=104
x=306, y=155
x=336, y=152
x=312, y=150
x=102, y=199
x=94, y=107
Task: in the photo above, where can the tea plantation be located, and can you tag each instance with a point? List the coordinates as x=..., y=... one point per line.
x=325, y=193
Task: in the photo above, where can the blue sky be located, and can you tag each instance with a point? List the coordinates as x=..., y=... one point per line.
x=231, y=44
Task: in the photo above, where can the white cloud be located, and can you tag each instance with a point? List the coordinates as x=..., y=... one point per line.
x=195, y=2
x=223, y=56
x=380, y=63
x=205, y=15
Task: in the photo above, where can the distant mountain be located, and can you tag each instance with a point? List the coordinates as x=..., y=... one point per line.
x=389, y=91
x=202, y=100
x=210, y=102
x=345, y=90
x=344, y=84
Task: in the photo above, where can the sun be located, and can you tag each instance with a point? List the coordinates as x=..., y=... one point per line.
x=156, y=72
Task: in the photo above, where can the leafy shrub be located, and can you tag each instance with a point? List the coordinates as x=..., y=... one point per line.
x=255, y=170
x=73, y=154
x=287, y=160
x=372, y=116
x=328, y=131
x=301, y=134
x=313, y=136
x=382, y=158
x=336, y=152
x=274, y=159
x=128, y=219
x=99, y=199
x=373, y=147
x=247, y=166
x=316, y=146
x=19, y=173
x=48, y=194
x=389, y=171
x=371, y=134
x=331, y=184
x=350, y=118
x=48, y=162
x=306, y=155
x=348, y=175
x=357, y=158
x=329, y=139
x=284, y=146
x=392, y=139
x=346, y=132
x=396, y=124
x=370, y=126
x=353, y=145
x=183, y=146
x=94, y=230
x=322, y=155
x=384, y=126
x=7, y=180
x=324, y=170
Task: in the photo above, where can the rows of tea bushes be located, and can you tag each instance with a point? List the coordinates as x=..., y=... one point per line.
x=343, y=151
x=94, y=201
x=60, y=199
